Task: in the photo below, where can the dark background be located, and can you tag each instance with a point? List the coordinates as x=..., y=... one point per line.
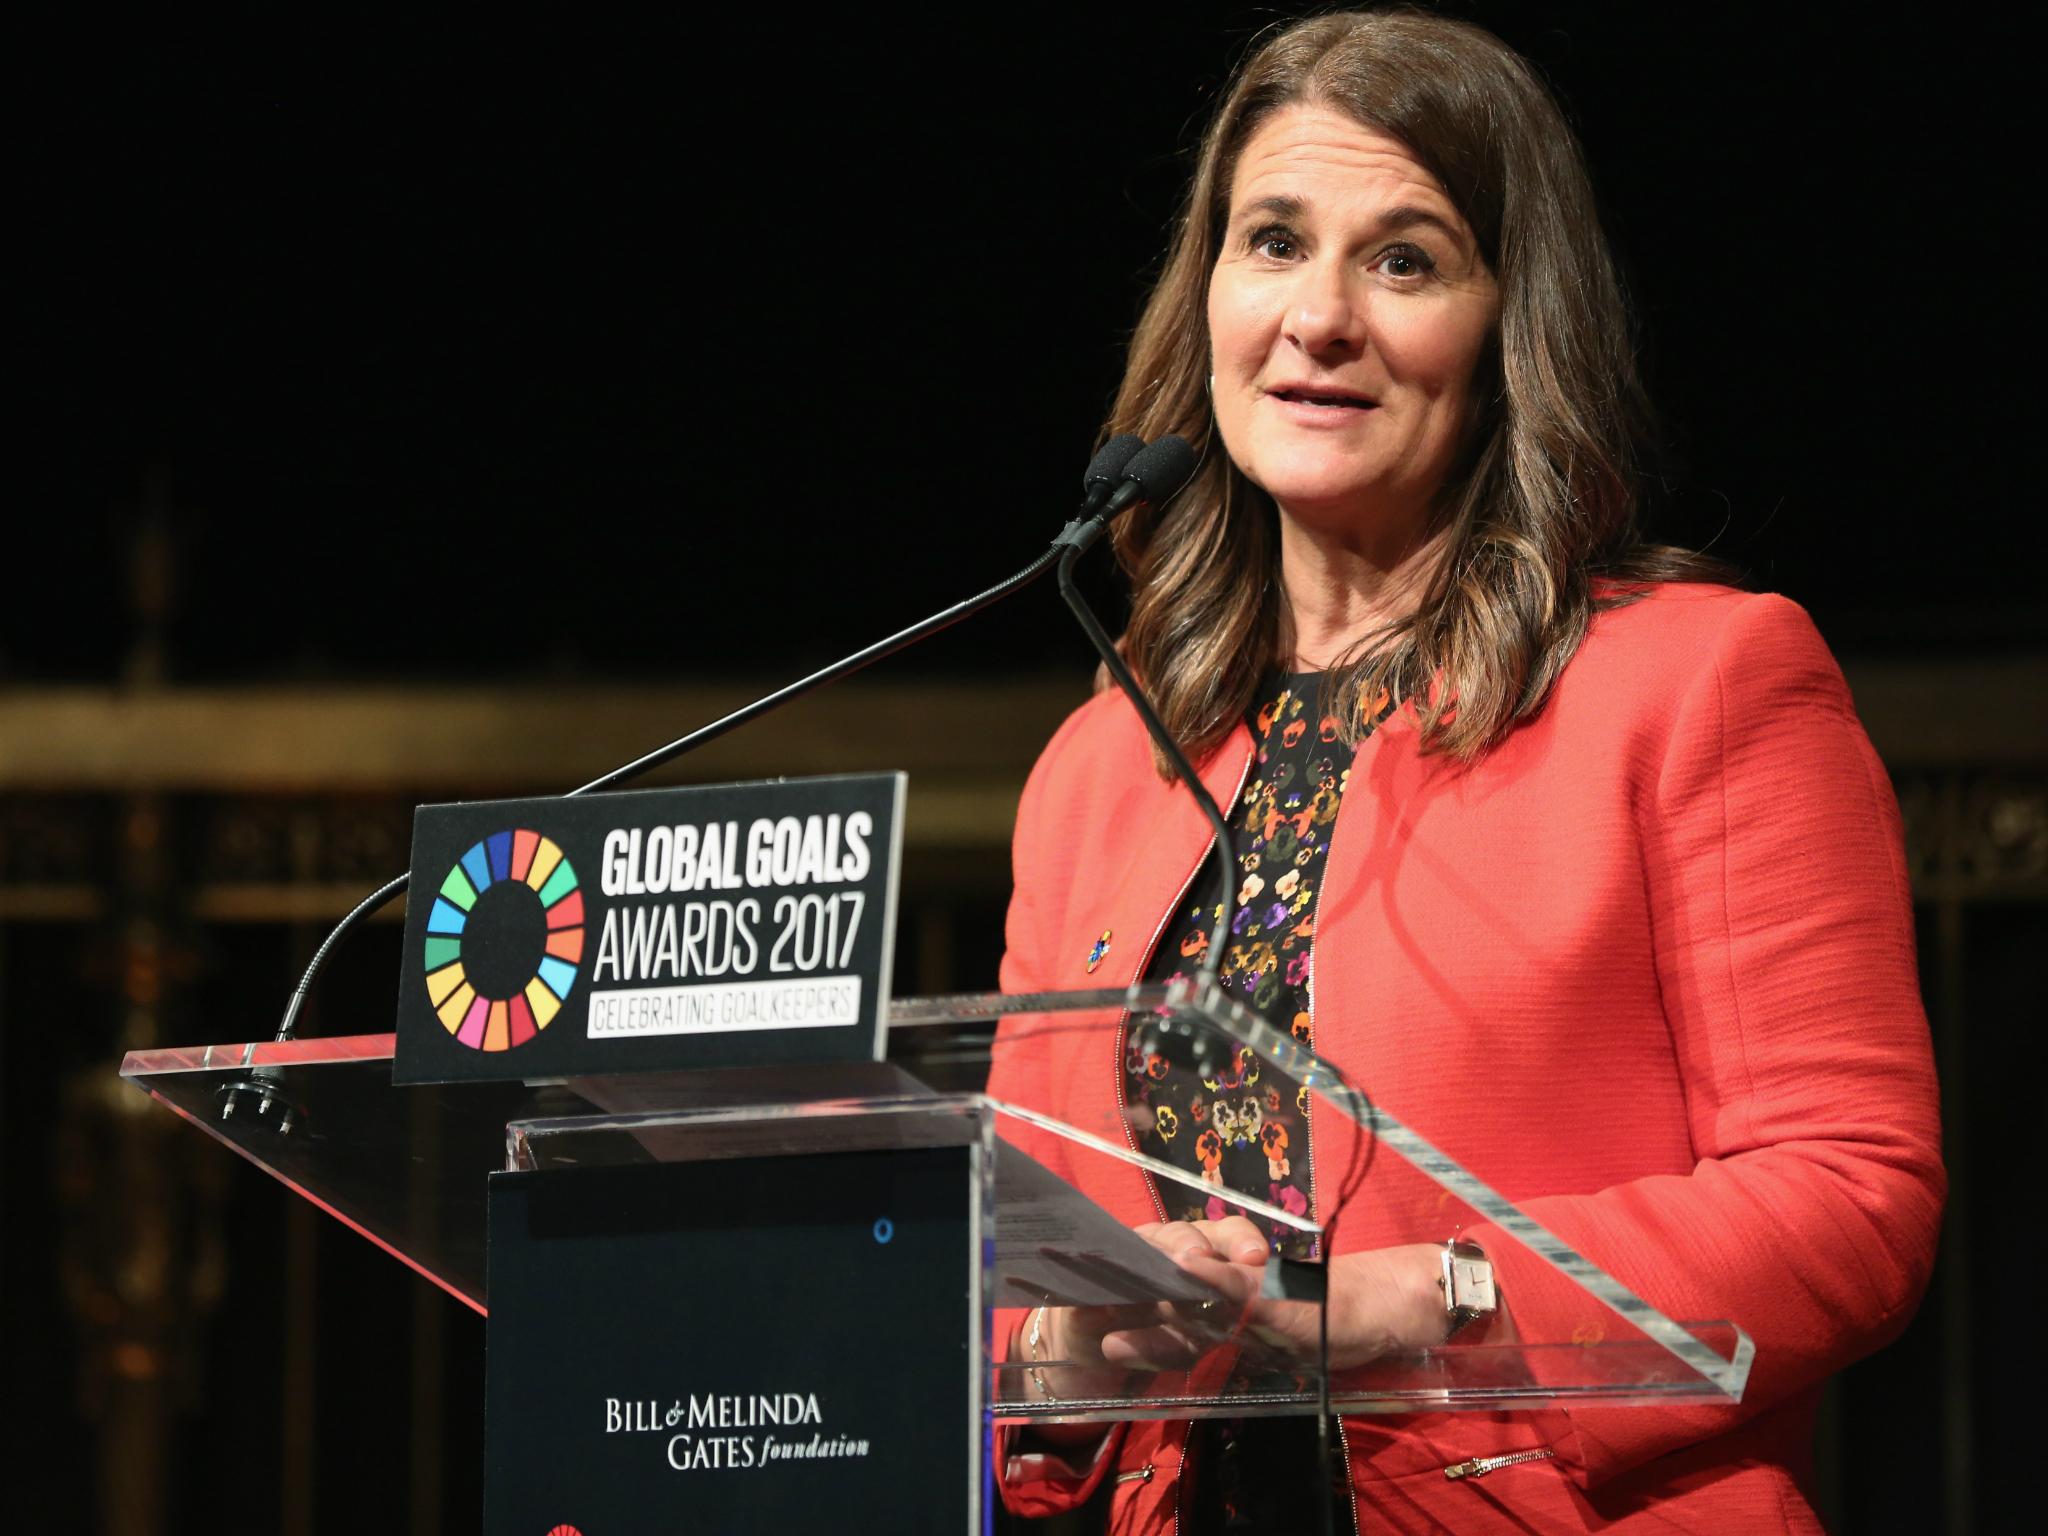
x=425, y=326
x=492, y=347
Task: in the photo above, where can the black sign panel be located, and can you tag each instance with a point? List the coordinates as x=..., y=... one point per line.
x=755, y=1344
x=714, y=926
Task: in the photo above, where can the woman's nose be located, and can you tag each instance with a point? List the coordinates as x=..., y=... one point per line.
x=1323, y=314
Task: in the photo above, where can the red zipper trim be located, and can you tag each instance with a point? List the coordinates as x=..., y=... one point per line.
x=1350, y=1487
x=1187, y=1438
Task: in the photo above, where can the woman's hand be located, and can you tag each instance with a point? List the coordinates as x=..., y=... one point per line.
x=1228, y=1256
x=1097, y=1348
x=1384, y=1301
x=1380, y=1302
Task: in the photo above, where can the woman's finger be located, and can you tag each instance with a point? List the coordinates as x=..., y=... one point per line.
x=1236, y=1284
x=1236, y=1238
x=1177, y=1238
x=1161, y=1347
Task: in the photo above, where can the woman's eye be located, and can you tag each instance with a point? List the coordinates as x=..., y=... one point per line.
x=1278, y=244
x=1407, y=262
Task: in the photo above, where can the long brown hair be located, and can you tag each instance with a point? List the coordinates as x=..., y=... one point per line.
x=1546, y=500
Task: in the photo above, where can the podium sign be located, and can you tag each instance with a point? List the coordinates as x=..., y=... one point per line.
x=762, y=1343
x=713, y=926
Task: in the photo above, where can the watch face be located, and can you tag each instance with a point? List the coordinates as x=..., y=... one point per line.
x=1471, y=1285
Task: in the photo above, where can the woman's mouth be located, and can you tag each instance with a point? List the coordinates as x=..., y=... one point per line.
x=1309, y=404
x=1333, y=402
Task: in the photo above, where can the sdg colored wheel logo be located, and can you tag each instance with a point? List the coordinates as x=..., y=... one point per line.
x=504, y=940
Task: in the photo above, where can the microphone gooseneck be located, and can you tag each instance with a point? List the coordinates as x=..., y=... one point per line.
x=1151, y=478
x=1102, y=484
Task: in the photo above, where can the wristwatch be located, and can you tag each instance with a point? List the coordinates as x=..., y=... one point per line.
x=1467, y=1284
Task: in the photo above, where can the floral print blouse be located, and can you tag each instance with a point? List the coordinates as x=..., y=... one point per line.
x=1240, y=1124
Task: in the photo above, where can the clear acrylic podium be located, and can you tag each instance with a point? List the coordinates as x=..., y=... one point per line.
x=409, y=1168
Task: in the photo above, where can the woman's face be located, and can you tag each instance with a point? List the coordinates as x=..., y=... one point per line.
x=1348, y=312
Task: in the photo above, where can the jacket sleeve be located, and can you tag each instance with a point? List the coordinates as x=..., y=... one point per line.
x=1035, y=1476
x=1783, y=933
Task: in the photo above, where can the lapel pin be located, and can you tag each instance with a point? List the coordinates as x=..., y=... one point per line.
x=1101, y=948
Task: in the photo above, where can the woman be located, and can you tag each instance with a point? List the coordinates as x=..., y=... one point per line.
x=1592, y=875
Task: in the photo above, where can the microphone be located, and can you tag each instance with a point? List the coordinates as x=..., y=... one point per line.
x=1119, y=477
x=1106, y=471
x=1152, y=475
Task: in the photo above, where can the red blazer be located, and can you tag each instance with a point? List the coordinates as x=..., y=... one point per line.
x=1647, y=968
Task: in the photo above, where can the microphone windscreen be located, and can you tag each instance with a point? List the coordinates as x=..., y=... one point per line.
x=1107, y=467
x=1162, y=468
